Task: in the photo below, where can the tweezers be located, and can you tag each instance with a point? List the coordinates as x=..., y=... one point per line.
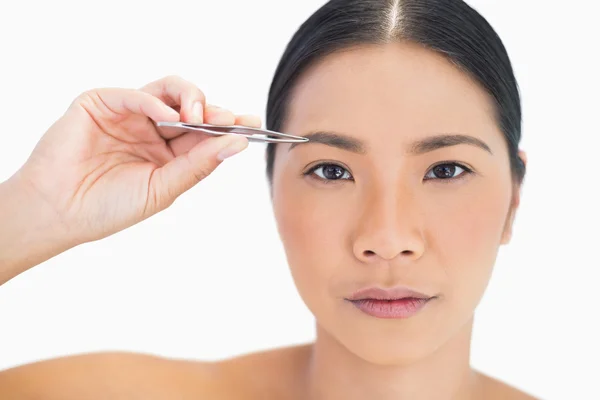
x=252, y=134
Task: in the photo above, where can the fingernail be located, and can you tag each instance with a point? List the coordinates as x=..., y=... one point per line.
x=233, y=148
x=197, y=113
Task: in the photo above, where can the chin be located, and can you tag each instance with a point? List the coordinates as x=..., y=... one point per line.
x=397, y=342
x=385, y=342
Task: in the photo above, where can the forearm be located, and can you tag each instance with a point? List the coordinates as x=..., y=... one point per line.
x=29, y=233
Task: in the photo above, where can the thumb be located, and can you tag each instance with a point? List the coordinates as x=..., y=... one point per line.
x=187, y=169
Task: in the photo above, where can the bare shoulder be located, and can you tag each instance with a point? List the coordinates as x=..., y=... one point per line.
x=130, y=375
x=494, y=389
x=269, y=374
x=113, y=375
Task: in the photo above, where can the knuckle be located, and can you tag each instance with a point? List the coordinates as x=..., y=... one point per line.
x=200, y=95
x=185, y=86
x=173, y=79
x=88, y=93
x=86, y=96
x=98, y=92
x=202, y=172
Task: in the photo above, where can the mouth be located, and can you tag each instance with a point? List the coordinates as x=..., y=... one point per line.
x=399, y=302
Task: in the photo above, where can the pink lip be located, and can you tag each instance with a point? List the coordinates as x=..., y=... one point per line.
x=387, y=294
x=397, y=302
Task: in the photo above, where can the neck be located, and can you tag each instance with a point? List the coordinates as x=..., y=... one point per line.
x=336, y=373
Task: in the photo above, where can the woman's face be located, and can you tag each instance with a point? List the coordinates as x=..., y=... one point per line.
x=374, y=200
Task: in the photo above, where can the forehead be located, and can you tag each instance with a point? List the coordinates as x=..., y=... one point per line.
x=393, y=88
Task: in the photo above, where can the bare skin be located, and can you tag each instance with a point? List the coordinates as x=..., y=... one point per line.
x=277, y=374
x=355, y=356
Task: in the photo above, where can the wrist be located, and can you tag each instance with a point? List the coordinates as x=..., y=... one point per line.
x=30, y=232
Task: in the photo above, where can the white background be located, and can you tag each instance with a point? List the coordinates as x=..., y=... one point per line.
x=207, y=278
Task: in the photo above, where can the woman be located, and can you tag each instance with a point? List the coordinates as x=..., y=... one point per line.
x=391, y=215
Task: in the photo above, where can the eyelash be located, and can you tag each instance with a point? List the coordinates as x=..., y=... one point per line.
x=466, y=171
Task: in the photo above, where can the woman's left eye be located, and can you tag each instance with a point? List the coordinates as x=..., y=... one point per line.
x=330, y=172
x=447, y=171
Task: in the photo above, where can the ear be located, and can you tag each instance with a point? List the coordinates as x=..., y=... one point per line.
x=514, y=205
x=523, y=157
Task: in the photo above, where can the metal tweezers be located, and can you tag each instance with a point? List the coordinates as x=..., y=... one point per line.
x=252, y=134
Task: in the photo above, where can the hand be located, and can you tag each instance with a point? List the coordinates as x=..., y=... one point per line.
x=103, y=166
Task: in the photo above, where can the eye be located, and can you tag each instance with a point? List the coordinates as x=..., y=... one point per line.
x=330, y=172
x=447, y=171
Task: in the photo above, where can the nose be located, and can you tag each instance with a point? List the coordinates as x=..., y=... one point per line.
x=389, y=228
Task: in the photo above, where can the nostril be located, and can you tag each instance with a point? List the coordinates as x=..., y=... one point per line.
x=370, y=253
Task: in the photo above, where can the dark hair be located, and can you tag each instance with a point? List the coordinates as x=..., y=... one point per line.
x=449, y=27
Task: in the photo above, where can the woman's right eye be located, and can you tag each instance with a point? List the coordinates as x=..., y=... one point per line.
x=330, y=172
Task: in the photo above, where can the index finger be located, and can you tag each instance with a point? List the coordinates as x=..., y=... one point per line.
x=176, y=91
x=127, y=101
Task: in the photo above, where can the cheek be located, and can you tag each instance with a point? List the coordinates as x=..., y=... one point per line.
x=466, y=236
x=310, y=223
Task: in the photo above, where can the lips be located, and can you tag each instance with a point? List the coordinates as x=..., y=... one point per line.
x=399, y=302
x=396, y=293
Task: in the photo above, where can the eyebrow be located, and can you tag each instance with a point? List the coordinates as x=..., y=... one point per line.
x=428, y=144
